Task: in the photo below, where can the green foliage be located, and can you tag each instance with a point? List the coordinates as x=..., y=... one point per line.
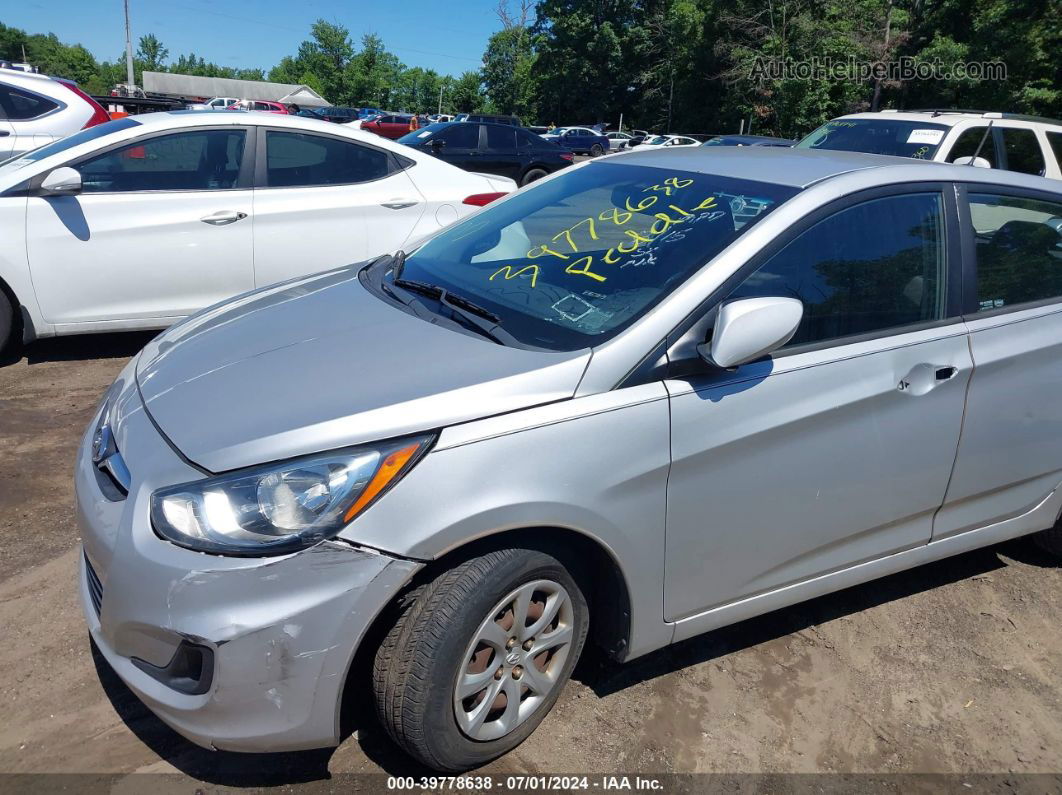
x=686, y=65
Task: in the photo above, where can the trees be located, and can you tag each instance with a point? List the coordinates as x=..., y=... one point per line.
x=509, y=63
x=687, y=65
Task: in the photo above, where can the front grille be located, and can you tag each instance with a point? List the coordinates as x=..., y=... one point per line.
x=95, y=587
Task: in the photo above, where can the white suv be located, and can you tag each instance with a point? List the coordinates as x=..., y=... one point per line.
x=37, y=109
x=1028, y=144
x=217, y=103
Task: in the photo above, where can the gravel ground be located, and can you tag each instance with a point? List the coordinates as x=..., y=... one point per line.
x=950, y=668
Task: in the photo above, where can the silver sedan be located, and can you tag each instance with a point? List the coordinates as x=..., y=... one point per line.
x=647, y=397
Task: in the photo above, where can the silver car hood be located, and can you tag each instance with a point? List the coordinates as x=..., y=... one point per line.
x=321, y=363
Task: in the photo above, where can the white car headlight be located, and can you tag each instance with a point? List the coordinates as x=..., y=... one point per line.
x=283, y=507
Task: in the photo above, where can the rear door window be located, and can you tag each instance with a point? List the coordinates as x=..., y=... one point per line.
x=1055, y=139
x=1019, y=249
x=1022, y=151
x=501, y=139
x=464, y=135
x=296, y=160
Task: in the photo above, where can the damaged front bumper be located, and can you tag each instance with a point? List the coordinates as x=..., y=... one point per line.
x=243, y=654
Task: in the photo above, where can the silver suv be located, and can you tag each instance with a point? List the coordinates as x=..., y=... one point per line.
x=37, y=109
x=644, y=398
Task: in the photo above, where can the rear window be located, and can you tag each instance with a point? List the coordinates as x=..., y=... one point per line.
x=915, y=139
x=19, y=105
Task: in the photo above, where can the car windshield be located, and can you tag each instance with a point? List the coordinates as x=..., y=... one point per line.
x=63, y=144
x=884, y=136
x=575, y=260
x=657, y=140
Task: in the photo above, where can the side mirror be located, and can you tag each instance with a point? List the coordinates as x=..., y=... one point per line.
x=64, y=181
x=437, y=144
x=976, y=162
x=750, y=328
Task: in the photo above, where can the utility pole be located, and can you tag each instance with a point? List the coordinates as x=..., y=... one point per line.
x=884, y=53
x=129, y=50
x=440, y=99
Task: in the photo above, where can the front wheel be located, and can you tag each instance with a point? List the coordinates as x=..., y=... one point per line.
x=596, y=150
x=479, y=656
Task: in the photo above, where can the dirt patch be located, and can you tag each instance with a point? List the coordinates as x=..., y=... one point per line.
x=953, y=667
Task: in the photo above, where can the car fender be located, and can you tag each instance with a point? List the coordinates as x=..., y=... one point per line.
x=555, y=467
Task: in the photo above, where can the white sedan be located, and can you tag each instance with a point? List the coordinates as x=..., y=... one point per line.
x=671, y=140
x=137, y=223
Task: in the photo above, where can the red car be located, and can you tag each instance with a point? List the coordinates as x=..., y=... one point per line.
x=259, y=104
x=389, y=126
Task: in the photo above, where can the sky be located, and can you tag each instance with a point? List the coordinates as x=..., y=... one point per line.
x=448, y=36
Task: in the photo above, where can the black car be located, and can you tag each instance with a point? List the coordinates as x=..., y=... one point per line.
x=491, y=148
x=336, y=114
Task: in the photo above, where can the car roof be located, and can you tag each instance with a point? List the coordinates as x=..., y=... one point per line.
x=800, y=168
x=175, y=119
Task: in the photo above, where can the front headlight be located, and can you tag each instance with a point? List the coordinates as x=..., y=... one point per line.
x=279, y=508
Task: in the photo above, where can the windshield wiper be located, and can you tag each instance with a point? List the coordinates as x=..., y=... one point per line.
x=474, y=316
x=398, y=261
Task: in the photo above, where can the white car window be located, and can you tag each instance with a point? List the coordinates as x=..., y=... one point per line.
x=300, y=160
x=192, y=160
x=19, y=105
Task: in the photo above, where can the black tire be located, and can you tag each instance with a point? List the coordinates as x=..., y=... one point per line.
x=417, y=665
x=531, y=175
x=1050, y=540
x=7, y=324
x=596, y=150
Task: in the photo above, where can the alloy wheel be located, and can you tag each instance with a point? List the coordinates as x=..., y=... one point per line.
x=514, y=660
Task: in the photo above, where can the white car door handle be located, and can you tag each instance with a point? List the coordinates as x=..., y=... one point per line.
x=222, y=217
x=925, y=377
x=398, y=204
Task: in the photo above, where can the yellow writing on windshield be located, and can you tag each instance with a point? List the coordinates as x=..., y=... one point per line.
x=566, y=243
x=509, y=273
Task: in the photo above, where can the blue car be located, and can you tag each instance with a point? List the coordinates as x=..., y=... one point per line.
x=580, y=140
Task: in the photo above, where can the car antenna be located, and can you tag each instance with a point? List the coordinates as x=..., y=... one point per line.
x=984, y=138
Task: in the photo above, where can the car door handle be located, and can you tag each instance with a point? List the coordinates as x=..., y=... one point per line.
x=944, y=373
x=924, y=377
x=4, y=133
x=223, y=217
x=398, y=204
